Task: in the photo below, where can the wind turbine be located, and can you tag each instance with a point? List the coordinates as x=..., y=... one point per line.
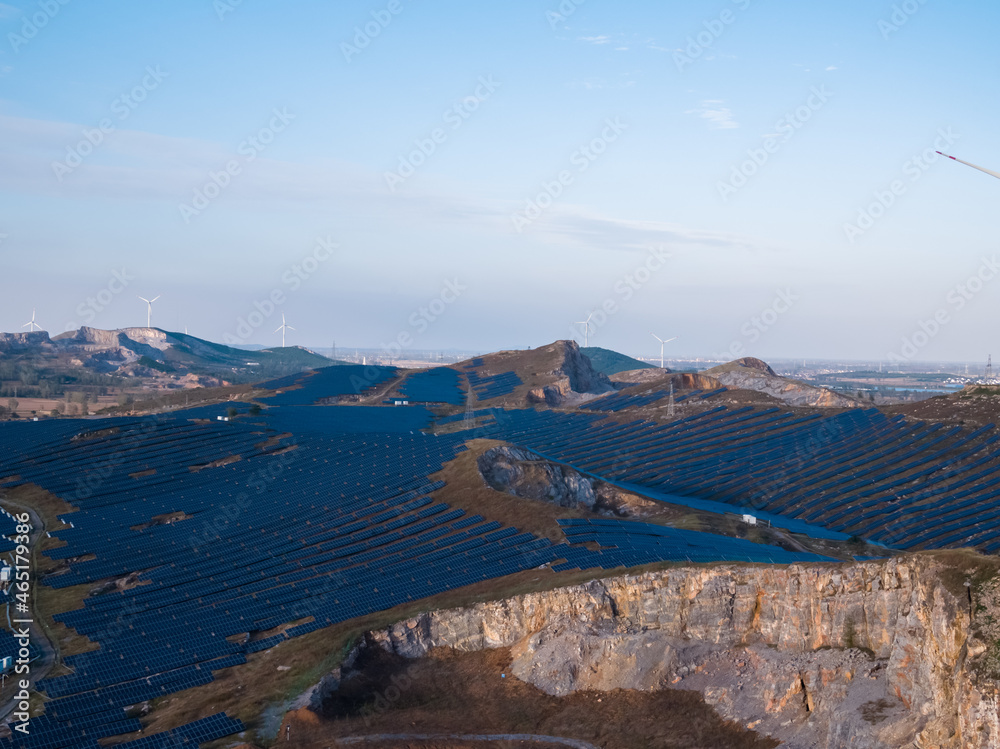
x=31, y=324
x=662, y=343
x=149, y=307
x=283, y=327
x=992, y=174
x=586, y=329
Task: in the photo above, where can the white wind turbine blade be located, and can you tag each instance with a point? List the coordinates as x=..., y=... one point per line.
x=992, y=174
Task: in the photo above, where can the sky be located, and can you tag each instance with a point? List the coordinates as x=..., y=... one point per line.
x=755, y=178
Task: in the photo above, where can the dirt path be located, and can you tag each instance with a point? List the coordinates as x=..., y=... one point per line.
x=534, y=738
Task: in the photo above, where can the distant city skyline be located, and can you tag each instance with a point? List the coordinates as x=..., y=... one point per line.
x=756, y=178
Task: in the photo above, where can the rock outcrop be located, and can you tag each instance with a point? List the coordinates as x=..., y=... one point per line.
x=575, y=376
x=16, y=342
x=873, y=654
x=522, y=473
x=753, y=374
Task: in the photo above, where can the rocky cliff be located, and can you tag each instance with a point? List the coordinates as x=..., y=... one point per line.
x=574, y=375
x=524, y=474
x=874, y=654
x=753, y=374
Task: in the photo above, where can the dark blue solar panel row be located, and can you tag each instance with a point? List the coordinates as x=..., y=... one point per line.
x=618, y=401
x=859, y=472
x=194, y=734
x=440, y=385
x=332, y=382
x=626, y=542
x=348, y=419
x=492, y=386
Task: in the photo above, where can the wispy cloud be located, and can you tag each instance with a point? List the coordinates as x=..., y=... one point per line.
x=717, y=116
x=139, y=166
x=595, y=39
x=581, y=227
x=831, y=67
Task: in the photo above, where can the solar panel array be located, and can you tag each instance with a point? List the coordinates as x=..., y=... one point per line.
x=332, y=382
x=630, y=543
x=268, y=540
x=438, y=385
x=353, y=419
x=904, y=483
x=618, y=401
x=492, y=386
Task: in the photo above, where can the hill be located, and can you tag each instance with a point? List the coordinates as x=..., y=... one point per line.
x=753, y=374
x=609, y=362
x=101, y=362
x=555, y=374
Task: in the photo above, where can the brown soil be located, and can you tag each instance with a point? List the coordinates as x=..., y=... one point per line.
x=467, y=693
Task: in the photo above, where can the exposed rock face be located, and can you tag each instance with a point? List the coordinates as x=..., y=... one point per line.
x=11, y=342
x=753, y=374
x=575, y=375
x=768, y=646
x=751, y=362
x=657, y=378
x=522, y=473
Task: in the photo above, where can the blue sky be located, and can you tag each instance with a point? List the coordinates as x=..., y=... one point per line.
x=565, y=147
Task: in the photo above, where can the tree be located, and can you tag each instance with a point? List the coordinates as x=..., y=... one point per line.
x=255, y=409
x=231, y=412
x=12, y=404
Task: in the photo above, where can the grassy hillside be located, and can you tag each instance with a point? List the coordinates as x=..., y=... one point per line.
x=610, y=362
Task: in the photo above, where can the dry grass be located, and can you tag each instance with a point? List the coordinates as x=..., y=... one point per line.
x=449, y=692
x=465, y=488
